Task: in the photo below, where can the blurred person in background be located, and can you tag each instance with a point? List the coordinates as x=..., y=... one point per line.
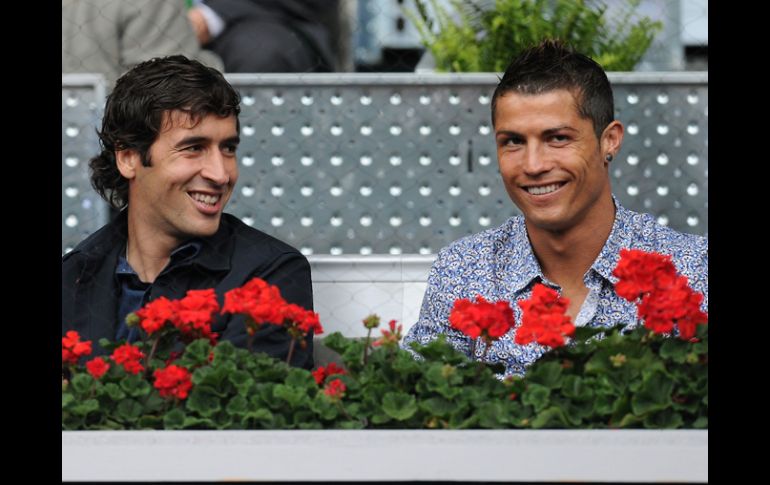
x=268, y=35
x=111, y=36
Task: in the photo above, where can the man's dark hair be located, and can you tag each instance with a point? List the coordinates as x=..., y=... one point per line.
x=553, y=65
x=134, y=113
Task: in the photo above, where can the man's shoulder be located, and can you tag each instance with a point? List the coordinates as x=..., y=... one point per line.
x=649, y=234
x=97, y=243
x=505, y=237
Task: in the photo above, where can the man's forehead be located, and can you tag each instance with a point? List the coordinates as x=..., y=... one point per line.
x=178, y=118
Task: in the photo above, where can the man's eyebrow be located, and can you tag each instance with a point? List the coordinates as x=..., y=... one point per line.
x=551, y=131
x=197, y=140
x=508, y=133
x=191, y=140
x=546, y=132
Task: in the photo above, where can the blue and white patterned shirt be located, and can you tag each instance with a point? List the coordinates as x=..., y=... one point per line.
x=499, y=264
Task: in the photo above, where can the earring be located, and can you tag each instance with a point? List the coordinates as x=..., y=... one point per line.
x=608, y=157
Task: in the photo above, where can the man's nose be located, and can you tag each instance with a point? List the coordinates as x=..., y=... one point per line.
x=215, y=168
x=536, y=160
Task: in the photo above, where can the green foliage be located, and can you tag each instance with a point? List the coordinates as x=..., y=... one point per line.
x=631, y=380
x=478, y=39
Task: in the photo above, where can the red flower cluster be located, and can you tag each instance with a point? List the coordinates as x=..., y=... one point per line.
x=482, y=319
x=129, y=357
x=257, y=299
x=263, y=304
x=390, y=337
x=640, y=273
x=321, y=373
x=335, y=389
x=173, y=381
x=191, y=315
x=666, y=298
x=97, y=367
x=543, y=318
x=72, y=349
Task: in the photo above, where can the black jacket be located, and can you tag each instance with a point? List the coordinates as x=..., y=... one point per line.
x=226, y=260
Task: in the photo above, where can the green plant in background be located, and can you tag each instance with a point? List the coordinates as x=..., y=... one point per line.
x=475, y=38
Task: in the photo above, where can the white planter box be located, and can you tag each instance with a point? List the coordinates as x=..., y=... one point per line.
x=364, y=455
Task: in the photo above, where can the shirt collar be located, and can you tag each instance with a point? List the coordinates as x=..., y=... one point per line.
x=184, y=252
x=521, y=271
x=621, y=236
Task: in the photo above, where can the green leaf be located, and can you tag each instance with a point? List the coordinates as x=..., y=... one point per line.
x=135, y=386
x=654, y=394
x=294, y=396
x=203, y=401
x=338, y=342
x=301, y=379
x=224, y=351
x=573, y=387
x=492, y=415
x=66, y=400
x=81, y=383
x=536, y=396
x=84, y=408
x=545, y=373
x=675, y=350
x=113, y=391
x=701, y=423
x=350, y=424
x=667, y=419
x=380, y=418
x=629, y=421
x=237, y=405
x=128, y=410
x=193, y=422
x=154, y=403
x=149, y=422
x=324, y=408
x=174, y=419
x=399, y=406
x=260, y=418
x=196, y=353
x=439, y=350
x=241, y=380
x=553, y=417
x=437, y=406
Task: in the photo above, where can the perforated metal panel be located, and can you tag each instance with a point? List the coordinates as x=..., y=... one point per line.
x=397, y=164
x=83, y=211
x=393, y=164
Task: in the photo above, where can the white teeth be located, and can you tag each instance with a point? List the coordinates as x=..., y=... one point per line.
x=543, y=190
x=206, y=199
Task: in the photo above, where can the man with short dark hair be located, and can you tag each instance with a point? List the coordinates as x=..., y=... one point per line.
x=556, y=137
x=168, y=161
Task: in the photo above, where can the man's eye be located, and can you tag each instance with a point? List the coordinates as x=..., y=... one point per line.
x=194, y=148
x=231, y=149
x=512, y=141
x=560, y=138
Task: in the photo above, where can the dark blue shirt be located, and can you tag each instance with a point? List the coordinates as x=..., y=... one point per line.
x=134, y=292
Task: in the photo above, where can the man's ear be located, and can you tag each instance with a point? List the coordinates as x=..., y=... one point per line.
x=127, y=160
x=612, y=139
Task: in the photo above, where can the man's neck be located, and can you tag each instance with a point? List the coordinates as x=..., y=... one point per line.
x=148, y=251
x=566, y=256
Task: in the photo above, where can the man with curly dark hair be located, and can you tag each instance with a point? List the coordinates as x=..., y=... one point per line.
x=168, y=162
